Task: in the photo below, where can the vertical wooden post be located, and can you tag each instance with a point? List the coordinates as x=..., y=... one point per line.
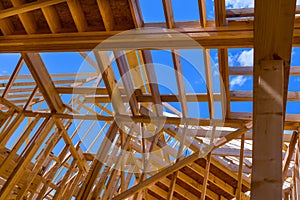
x=268, y=128
x=273, y=32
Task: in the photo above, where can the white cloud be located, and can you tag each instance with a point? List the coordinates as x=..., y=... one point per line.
x=246, y=58
x=232, y=59
x=237, y=81
x=298, y=2
x=240, y=3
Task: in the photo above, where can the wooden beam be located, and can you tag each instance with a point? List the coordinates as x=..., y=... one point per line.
x=209, y=83
x=45, y=153
x=13, y=77
x=127, y=80
x=223, y=67
x=205, y=178
x=248, y=70
x=27, y=19
x=136, y=13
x=247, y=12
x=168, y=10
x=220, y=13
x=9, y=131
x=272, y=54
x=97, y=164
x=81, y=161
x=77, y=15
x=105, y=68
x=6, y=25
x=240, y=173
x=172, y=186
x=27, y=7
x=157, y=176
x=178, y=165
x=52, y=19
x=180, y=83
x=150, y=72
x=107, y=15
x=27, y=157
x=289, y=154
x=202, y=11
x=41, y=76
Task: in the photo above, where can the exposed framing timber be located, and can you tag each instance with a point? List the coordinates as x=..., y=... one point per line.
x=272, y=52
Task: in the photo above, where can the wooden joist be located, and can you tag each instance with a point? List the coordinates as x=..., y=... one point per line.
x=28, y=7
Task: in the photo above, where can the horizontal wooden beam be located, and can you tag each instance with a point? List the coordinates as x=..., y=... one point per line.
x=291, y=123
x=248, y=71
x=148, y=40
x=247, y=12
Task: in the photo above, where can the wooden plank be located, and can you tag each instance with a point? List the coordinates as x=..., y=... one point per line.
x=220, y=12
x=19, y=143
x=107, y=15
x=85, y=41
x=157, y=176
x=77, y=15
x=127, y=81
x=202, y=11
x=109, y=79
x=81, y=161
x=209, y=84
x=9, y=131
x=27, y=7
x=212, y=179
x=23, y=162
x=40, y=160
x=240, y=173
x=205, y=178
x=172, y=186
x=223, y=67
x=52, y=19
x=196, y=185
x=247, y=12
x=149, y=68
x=41, y=76
x=180, y=190
x=59, y=191
x=97, y=164
x=168, y=11
x=6, y=25
x=248, y=70
x=289, y=154
x=27, y=19
x=136, y=70
x=52, y=171
x=13, y=77
x=116, y=170
x=180, y=83
x=136, y=13
x=176, y=166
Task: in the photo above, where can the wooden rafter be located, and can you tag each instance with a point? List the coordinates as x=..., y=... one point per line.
x=41, y=76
